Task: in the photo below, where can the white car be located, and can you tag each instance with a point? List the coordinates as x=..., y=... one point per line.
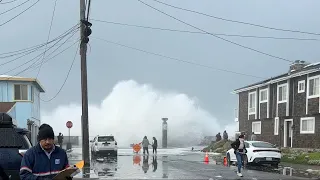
x=104, y=145
x=258, y=152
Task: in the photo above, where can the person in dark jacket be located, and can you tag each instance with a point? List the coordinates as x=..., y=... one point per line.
x=154, y=145
x=60, y=139
x=225, y=135
x=45, y=160
x=218, y=137
x=240, y=150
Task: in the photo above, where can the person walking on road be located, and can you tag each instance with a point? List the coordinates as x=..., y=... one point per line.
x=240, y=150
x=145, y=145
x=154, y=145
x=253, y=137
x=45, y=160
x=60, y=139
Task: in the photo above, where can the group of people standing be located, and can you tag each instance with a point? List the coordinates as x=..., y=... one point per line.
x=225, y=136
x=145, y=145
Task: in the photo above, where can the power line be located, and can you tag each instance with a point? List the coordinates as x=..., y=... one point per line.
x=39, y=45
x=14, y=7
x=8, y=2
x=44, y=53
x=198, y=32
x=237, y=44
x=19, y=13
x=41, y=54
x=234, y=21
x=58, y=39
x=34, y=68
x=7, y=62
x=176, y=59
x=65, y=80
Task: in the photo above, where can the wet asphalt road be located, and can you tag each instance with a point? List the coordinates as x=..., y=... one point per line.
x=167, y=164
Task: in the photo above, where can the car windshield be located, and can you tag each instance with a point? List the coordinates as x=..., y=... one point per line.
x=105, y=138
x=262, y=145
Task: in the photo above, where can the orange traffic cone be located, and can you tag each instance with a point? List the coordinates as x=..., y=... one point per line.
x=225, y=163
x=206, y=158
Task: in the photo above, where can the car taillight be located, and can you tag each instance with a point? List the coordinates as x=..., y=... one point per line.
x=116, y=143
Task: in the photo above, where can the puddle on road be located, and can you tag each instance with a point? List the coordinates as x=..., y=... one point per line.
x=137, y=166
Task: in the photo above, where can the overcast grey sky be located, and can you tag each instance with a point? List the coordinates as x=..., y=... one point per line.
x=108, y=63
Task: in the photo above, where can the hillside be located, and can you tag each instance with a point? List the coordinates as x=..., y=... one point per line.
x=221, y=146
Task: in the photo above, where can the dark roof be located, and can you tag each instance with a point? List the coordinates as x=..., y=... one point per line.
x=264, y=81
x=306, y=68
x=6, y=106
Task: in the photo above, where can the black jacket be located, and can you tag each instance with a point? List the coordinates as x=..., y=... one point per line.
x=235, y=145
x=155, y=143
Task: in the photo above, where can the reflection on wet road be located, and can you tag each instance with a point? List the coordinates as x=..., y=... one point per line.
x=167, y=164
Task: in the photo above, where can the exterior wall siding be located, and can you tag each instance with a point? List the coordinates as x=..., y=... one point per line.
x=313, y=106
x=299, y=103
x=12, y=112
x=267, y=131
x=282, y=109
x=243, y=111
x=263, y=110
x=36, y=104
x=273, y=100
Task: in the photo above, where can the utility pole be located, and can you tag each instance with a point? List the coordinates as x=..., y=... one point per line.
x=84, y=86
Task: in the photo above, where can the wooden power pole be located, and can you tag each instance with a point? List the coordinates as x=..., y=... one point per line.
x=84, y=86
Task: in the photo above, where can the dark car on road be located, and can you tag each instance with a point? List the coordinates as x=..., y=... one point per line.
x=13, y=144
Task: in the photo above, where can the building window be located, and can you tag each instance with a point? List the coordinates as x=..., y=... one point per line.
x=307, y=125
x=313, y=87
x=256, y=127
x=20, y=92
x=282, y=93
x=301, y=86
x=252, y=103
x=276, y=126
x=263, y=95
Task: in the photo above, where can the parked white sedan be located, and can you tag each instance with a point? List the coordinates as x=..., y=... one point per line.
x=258, y=152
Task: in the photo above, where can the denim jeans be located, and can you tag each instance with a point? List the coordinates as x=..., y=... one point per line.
x=145, y=149
x=239, y=157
